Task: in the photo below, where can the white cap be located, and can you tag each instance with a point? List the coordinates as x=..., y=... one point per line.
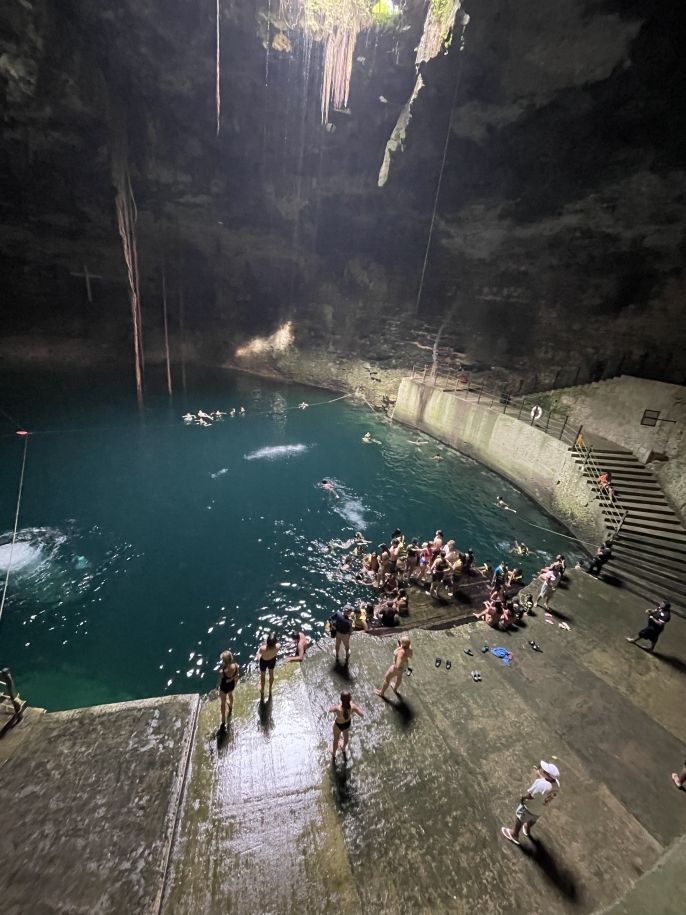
x=550, y=769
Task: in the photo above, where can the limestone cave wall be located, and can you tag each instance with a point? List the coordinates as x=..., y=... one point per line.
x=558, y=239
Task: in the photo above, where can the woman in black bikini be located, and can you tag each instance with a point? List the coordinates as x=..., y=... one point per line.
x=342, y=722
x=228, y=675
x=266, y=655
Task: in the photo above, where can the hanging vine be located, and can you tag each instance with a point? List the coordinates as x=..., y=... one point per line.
x=336, y=24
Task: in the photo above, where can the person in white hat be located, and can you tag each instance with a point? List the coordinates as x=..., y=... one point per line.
x=544, y=789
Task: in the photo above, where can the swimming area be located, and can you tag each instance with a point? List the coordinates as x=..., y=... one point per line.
x=146, y=546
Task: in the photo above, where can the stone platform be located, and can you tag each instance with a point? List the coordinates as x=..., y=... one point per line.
x=410, y=822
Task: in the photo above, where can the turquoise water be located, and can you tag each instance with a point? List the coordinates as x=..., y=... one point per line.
x=147, y=546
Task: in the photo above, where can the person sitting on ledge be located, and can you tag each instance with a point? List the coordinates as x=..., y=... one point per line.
x=514, y=577
x=402, y=602
x=492, y=613
x=386, y=614
x=360, y=619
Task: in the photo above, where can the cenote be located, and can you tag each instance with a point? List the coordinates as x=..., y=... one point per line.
x=146, y=546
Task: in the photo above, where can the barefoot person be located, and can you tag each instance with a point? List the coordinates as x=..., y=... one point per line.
x=301, y=642
x=344, y=626
x=342, y=721
x=394, y=674
x=266, y=655
x=532, y=805
x=228, y=675
x=679, y=778
x=657, y=620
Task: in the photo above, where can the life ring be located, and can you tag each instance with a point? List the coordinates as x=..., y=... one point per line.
x=536, y=413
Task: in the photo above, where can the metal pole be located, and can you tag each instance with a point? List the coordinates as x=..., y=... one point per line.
x=424, y=375
x=564, y=425
x=478, y=399
x=547, y=422
x=521, y=408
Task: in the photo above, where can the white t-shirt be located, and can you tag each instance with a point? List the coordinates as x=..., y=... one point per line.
x=542, y=793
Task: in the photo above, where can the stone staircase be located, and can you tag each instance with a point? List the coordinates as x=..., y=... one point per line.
x=649, y=552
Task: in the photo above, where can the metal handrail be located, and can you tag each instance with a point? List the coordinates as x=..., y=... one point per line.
x=454, y=380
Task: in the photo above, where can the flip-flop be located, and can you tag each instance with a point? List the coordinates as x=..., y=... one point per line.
x=565, y=626
x=535, y=646
x=485, y=649
x=438, y=662
x=476, y=676
x=549, y=619
x=469, y=652
x=448, y=665
x=675, y=779
x=508, y=835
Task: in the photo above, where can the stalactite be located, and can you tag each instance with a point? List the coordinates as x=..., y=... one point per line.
x=127, y=215
x=218, y=89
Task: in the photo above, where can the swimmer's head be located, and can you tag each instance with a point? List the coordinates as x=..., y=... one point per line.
x=325, y=482
x=358, y=536
x=271, y=640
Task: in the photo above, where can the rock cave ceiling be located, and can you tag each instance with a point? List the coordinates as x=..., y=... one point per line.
x=560, y=222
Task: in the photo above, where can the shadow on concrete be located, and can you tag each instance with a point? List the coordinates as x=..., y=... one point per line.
x=401, y=706
x=342, y=786
x=669, y=659
x=343, y=671
x=558, y=614
x=264, y=712
x=560, y=876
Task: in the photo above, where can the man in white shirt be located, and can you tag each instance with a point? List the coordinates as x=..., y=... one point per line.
x=551, y=579
x=532, y=805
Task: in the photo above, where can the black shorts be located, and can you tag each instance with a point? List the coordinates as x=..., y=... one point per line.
x=227, y=686
x=437, y=576
x=650, y=633
x=267, y=665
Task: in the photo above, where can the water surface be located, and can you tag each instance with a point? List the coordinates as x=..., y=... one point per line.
x=147, y=546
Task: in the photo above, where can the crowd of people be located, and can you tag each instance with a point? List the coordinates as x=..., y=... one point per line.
x=201, y=418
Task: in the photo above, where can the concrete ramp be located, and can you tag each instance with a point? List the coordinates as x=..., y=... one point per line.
x=88, y=803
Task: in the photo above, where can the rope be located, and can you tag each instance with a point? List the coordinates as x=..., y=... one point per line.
x=11, y=418
x=16, y=524
x=440, y=182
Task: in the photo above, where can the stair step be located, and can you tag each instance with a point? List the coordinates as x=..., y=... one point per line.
x=655, y=531
x=640, y=557
x=652, y=591
x=669, y=525
x=674, y=579
x=653, y=516
x=616, y=451
x=641, y=499
x=657, y=544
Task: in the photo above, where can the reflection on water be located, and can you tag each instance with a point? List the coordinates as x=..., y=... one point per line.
x=139, y=592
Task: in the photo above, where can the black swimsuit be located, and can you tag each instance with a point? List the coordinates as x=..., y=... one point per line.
x=267, y=665
x=227, y=685
x=345, y=725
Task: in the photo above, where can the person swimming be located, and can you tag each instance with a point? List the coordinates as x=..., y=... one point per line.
x=501, y=503
x=188, y=417
x=218, y=414
x=303, y=406
x=329, y=487
x=521, y=549
x=242, y=411
x=206, y=416
x=232, y=411
x=437, y=457
x=368, y=440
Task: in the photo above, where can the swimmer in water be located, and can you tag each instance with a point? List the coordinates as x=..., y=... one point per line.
x=329, y=487
x=232, y=412
x=418, y=441
x=303, y=406
x=188, y=417
x=437, y=457
x=201, y=422
x=242, y=411
x=203, y=415
x=520, y=549
x=501, y=503
x=218, y=414
x=368, y=440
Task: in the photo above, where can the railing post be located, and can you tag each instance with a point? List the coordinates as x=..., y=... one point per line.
x=413, y=372
x=547, y=422
x=424, y=374
x=564, y=426
x=521, y=409
x=478, y=399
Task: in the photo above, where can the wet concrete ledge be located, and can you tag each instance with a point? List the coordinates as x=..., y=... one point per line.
x=94, y=819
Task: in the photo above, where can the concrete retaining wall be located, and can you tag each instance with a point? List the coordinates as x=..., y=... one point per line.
x=539, y=464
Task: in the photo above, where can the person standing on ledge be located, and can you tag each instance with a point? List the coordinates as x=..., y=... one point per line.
x=394, y=674
x=344, y=626
x=544, y=790
x=266, y=655
x=342, y=722
x=657, y=620
x=228, y=675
